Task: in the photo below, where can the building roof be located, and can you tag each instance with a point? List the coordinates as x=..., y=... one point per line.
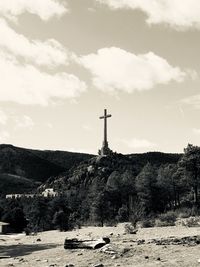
x=3, y=223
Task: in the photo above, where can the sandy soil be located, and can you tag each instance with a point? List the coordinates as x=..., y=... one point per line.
x=27, y=251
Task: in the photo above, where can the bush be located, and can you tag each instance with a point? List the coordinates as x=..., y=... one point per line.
x=191, y=222
x=111, y=223
x=147, y=223
x=122, y=214
x=166, y=219
x=183, y=212
x=129, y=228
x=138, y=213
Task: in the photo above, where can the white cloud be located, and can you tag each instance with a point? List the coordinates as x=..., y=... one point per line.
x=25, y=84
x=138, y=143
x=3, y=117
x=4, y=135
x=179, y=14
x=114, y=68
x=24, y=122
x=87, y=127
x=196, y=131
x=192, y=101
x=49, y=125
x=50, y=53
x=45, y=9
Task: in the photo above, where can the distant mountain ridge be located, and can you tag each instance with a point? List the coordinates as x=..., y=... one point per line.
x=33, y=166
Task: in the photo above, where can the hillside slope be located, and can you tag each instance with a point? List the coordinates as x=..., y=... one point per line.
x=102, y=169
x=20, y=168
x=13, y=184
x=63, y=159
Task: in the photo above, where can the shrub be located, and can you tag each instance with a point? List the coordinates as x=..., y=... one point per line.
x=137, y=213
x=129, y=228
x=122, y=214
x=183, y=212
x=191, y=222
x=166, y=219
x=111, y=223
x=147, y=223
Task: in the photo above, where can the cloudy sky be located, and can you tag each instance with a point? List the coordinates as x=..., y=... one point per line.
x=63, y=61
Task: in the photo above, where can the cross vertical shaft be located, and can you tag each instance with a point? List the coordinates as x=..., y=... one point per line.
x=105, y=126
x=105, y=149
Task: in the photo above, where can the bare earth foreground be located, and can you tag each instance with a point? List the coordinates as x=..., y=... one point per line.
x=27, y=251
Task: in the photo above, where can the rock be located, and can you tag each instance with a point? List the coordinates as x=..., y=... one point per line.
x=90, y=169
x=140, y=242
x=187, y=240
x=69, y=265
x=44, y=261
x=146, y=257
x=114, y=257
x=108, y=249
x=134, y=232
x=198, y=261
x=158, y=259
x=75, y=243
x=38, y=240
x=125, y=250
x=98, y=265
x=111, y=234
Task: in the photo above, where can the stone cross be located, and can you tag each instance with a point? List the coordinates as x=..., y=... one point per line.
x=105, y=148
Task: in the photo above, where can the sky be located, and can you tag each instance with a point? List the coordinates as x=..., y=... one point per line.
x=62, y=62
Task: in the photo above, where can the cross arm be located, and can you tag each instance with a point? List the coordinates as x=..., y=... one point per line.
x=104, y=117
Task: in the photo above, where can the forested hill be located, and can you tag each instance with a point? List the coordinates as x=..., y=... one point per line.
x=156, y=158
x=35, y=165
x=110, y=185
x=117, y=188
x=101, y=168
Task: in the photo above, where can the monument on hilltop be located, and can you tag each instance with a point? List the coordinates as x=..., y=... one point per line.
x=105, y=150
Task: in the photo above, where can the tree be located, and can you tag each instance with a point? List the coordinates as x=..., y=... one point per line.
x=60, y=220
x=100, y=209
x=168, y=187
x=59, y=208
x=190, y=162
x=147, y=189
x=39, y=215
x=16, y=218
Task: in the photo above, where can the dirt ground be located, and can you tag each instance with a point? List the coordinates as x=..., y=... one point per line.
x=22, y=250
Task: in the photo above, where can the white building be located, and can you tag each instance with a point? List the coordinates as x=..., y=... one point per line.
x=49, y=192
x=3, y=227
x=20, y=196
